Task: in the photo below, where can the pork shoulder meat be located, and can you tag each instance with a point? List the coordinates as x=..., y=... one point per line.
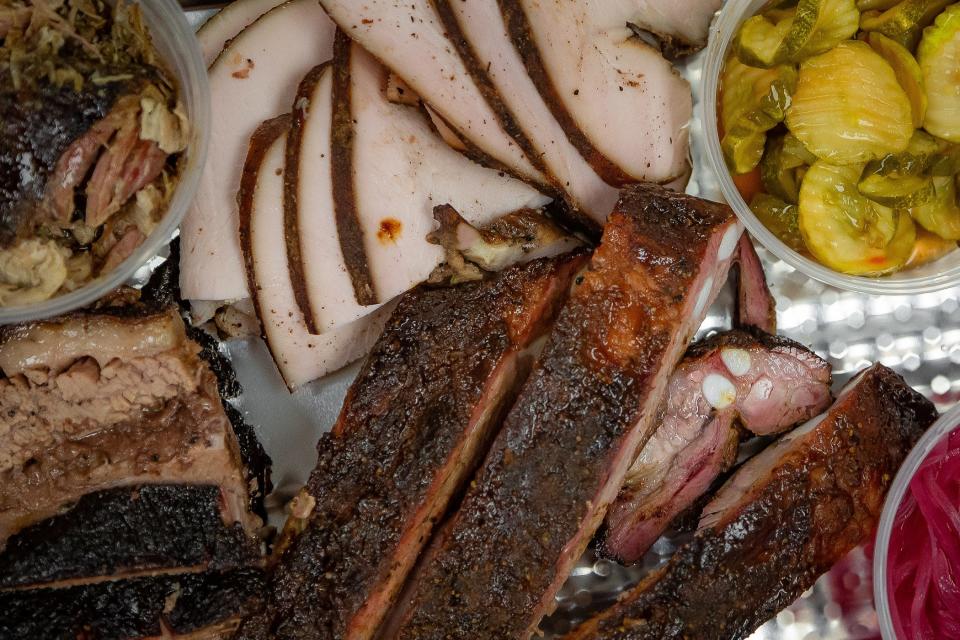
x=762, y=383
x=568, y=441
x=784, y=518
x=414, y=426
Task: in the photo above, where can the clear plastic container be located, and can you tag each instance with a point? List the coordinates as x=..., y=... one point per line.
x=933, y=276
x=176, y=43
x=947, y=423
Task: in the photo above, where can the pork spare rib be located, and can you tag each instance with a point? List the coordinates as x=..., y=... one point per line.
x=742, y=378
x=414, y=426
x=783, y=519
x=567, y=443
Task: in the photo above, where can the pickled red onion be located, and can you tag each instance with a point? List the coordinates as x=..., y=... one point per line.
x=923, y=580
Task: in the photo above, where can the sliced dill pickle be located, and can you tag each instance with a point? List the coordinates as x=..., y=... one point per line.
x=876, y=5
x=905, y=21
x=939, y=57
x=923, y=153
x=898, y=191
x=759, y=42
x=791, y=34
x=846, y=231
x=778, y=168
x=742, y=149
x=753, y=101
x=941, y=215
x=947, y=163
x=795, y=149
x=776, y=14
x=848, y=106
x=833, y=21
x=780, y=217
x=755, y=98
x=907, y=70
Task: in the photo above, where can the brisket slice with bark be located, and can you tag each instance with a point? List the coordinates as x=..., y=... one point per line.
x=198, y=606
x=783, y=519
x=126, y=531
x=128, y=480
x=742, y=378
x=414, y=426
x=99, y=399
x=578, y=423
x=163, y=290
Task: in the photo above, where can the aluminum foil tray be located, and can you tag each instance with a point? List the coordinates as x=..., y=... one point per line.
x=918, y=336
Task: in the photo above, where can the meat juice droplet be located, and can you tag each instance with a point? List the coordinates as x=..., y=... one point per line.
x=390, y=230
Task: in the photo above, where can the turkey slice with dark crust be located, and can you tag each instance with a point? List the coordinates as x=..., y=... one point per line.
x=410, y=38
x=478, y=30
x=681, y=26
x=414, y=426
x=620, y=103
x=783, y=519
x=764, y=383
x=578, y=423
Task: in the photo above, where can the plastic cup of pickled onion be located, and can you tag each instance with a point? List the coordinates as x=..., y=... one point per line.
x=916, y=578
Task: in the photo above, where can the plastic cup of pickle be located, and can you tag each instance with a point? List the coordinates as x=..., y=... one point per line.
x=932, y=276
x=178, y=47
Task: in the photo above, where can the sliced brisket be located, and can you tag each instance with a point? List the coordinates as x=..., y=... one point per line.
x=588, y=406
x=750, y=379
x=414, y=426
x=127, y=531
x=127, y=486
x=783, y=519
x=92, y=401
x=198, y=605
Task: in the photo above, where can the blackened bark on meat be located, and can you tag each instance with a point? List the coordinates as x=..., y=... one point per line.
x=163, y=287
x=414, y=426
x=134, y=608
x=128, y=530
x=784, y=518
x=582, y=415
x=216, y=597
x=256, y=461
